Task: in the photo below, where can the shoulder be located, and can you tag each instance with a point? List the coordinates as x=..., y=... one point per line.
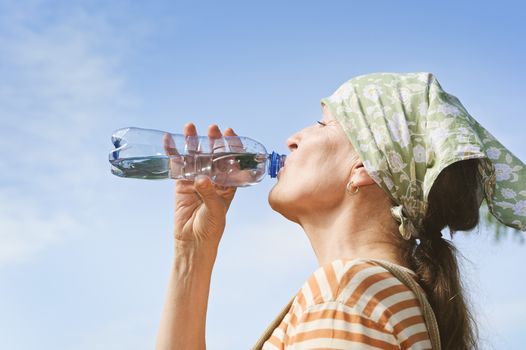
x=353, y=304
x=361, y=292
x=349, y=282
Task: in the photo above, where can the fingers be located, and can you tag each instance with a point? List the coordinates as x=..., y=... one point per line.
x=214, y=132
x=230, y=132
x=207, y=191
x=234, y=142
x=189, y=129
x=191, y=140
x=177, y=162
x=169, y=145
x=216, y=143
x=215, y=140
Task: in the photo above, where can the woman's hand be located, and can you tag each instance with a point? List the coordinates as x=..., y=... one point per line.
x=201, y=205
x=200, y=211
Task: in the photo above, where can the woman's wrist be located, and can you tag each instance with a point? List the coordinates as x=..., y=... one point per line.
x=184, y=315
x=193, y=252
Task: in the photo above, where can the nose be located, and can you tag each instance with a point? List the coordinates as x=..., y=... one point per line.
x=292, y=142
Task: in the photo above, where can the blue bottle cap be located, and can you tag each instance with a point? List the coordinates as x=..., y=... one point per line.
x=276, y=162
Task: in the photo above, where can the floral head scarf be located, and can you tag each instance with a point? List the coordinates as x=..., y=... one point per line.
x=407, y=129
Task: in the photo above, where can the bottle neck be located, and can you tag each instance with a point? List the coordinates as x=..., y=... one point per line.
x=276, y=162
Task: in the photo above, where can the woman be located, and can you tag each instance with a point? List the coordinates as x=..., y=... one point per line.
x=401, y=159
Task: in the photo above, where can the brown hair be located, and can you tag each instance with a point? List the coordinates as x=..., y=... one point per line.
x=453, y=201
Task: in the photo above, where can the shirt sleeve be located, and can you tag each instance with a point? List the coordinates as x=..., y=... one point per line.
x=334, y=325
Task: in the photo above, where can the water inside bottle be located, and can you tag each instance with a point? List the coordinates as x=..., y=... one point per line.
x=153, y=167
x=225, y=168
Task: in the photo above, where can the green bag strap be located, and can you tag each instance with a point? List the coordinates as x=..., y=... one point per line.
x=275, y=324
x=409, y=281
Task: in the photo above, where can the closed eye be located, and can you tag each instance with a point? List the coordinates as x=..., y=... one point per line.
x=321, y=123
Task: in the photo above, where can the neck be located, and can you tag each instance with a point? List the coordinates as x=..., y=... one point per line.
x=348, y=233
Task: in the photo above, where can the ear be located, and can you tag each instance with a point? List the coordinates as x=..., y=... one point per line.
x=360, y=177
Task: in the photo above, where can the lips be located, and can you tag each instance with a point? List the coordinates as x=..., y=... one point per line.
x=283, y=167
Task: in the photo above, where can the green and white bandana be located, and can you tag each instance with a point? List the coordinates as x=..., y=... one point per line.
x=407, y=129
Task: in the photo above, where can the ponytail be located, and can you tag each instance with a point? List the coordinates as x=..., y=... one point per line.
x=453, y=202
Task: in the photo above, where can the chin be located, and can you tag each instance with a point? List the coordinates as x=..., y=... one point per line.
x=272, y=200
x=281, y=204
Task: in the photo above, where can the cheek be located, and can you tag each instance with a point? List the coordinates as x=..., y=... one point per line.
x=330, y=175
x=328, y=167
x=321, y=167
x=335, y=161
x=315, y=184
x=323, y=178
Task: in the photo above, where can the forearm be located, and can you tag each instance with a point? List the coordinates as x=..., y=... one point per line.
x=183, y=322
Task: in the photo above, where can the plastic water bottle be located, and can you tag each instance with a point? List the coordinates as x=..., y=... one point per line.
x=154, y=154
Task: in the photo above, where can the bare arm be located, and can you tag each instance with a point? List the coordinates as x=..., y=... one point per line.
x=184, y=316
x=200, y=217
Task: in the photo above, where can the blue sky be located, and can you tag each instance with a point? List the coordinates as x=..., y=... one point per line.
x=85, y=256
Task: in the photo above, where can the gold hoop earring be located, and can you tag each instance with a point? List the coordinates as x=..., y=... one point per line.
x=352, y=193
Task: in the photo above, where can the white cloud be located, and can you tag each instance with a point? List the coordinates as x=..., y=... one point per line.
x=60, y=84
x=24, y=230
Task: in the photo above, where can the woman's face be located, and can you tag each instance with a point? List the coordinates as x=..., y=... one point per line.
x=316, y=171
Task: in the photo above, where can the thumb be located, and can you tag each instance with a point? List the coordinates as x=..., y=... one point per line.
x=206, y=190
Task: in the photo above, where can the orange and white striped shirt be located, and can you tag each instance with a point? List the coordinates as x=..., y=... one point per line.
x=352, y=304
